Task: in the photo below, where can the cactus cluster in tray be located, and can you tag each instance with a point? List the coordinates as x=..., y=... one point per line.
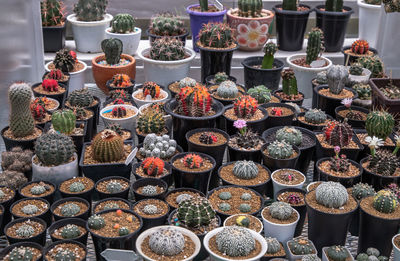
x=331, y=194
x=235, y=241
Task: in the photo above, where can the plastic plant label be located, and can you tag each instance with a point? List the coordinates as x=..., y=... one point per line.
x=131, y=156
x=217, y=4
x=317, y=64
x=148, y=98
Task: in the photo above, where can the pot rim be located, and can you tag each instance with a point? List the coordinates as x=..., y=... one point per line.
x=103, y=56
x=68, y=241
x=35, y=216
x=70, y=73
x=326, y=86
x=394, y=245
x=281, y=225
x=288, y=185
x=276, y=60
x=142, y=56
x=360, y=168
x=277, y=9
x=170, y=111
x=301, y=68
x=232, y=216
x=361, y=3
x=151, y=218
x=304, y=131
x=37, y=181
x=109, y=199
x=22, y=220
x=348, y=12
x=248, y=19
x=118, y=105
x=191, y=12
x=218, y=50
x=73, y=20
x=148, y=102
x=161, y=36
x=136, y=32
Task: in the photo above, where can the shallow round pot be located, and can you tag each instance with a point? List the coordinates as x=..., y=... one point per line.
x=130, y=41
x=76, y=79
x=63, y=222
x=216, y=257
x=282, y=232
x=128, y=123
x=274, y=164
x=279, y=186
x=140, y=103
x=237, y=215
x=88, y=35
x=247, y=28
x=361, y=78
x=102, y=73
x=305, y=75
x=184, y=231
x=165, y=72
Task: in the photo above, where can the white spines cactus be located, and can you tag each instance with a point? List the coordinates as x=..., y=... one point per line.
x=167, y=242
x=311, y=257
x=149, y=190
x=187, y=81
x=29, y=209
x=25, y=231
x=158, y=146
x=227, y=89
x=291, y=135
x=245, y=169
x=280, y=150
x=280, y=210
x=273, y=245
x=235, y=241
x=150, y=209
x=331, y=194
x=37, y=190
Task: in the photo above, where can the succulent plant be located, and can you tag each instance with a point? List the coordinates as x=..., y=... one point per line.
x=383, y=163
x=65, y=60
x=334, y=5
x=54, y=149
x=244, y=207
x=245, y=106
x=194, y=101
x=21, y=253
x=372, y=254
x=167, y=49
x=108, y=146
x=80, y=98
x=245, y=169
x=331, y=194
x=290, y=135
x=17, y=159
x=338, y=133
x=151, y=122
x=371, y=251
x=76, y=187
x=242, y=221
x=90, y=10
x=337, y=253
x=362, y=190
x=245, y=196
x=152, y=89
x=153, y=166
x=360, y=47
x=96, y=222
x=225, y=195
x=269, y=52
x=119, y=112
x=385, y=201
x=55, y=74
x=167, y=24
x=314, y=45
x=321, y=78
x=195, y=212
x=337, y=76
x=50, y=85
x=12, y=179
x=114, y=186
x=111, y=205
x=289, y=84
x=293, y=199
x=227, y=89
x=311, y=257
x=38, y=112
x=208, y=138
x=81, y=113
x=70, y=210
x=301, y=246
x=70, y=231
x=183, y=197
x=64, y=255
x=149, y=190
x=280, y=210
x=121, y=80
x=167, y=242
x=273, y=245
x=216, y=35
x=38, y=190
x=158, y=146
x=363, y=91
x=150, y=209
x=356, y=69
x=220, y=77
x=224, y=206
x=379, y=123
x=123, y=24
x=250, y=8
x=235, y=241
x=315, y=116
x=25, y=231
x=280, y=150
x=63, y=121
x=339, y=163
x=123, y=231
x=248, y=140
x=193, y=161
x=187, y=81
x=374, y=64
x=29, y=209
x=261, y=93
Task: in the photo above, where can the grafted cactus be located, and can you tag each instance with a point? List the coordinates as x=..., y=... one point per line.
x=268, y=60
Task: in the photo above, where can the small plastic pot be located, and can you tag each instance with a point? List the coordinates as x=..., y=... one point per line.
x=348, y=182
x=167, y=178
x=151, y=222
x=354, y=58
x=181, y=189
x=257, y=125
x=39, y=239
x=236, y=154
x=108, y=199
x=149, y=181
x=257, y=76
x=375, y=180
x=87, y=195
x=9, y=248
x=329, y=104
x=273, y=121
x=54, y=244
x=298, y=102
x=274, y=164
x=24, y=144
x=282, y=232
x=46, y=216
x=280, y=186
x=325, y=257
x=357, y=124
x=121, y=194
x=312, y=127
x=49, y=198
x=6, y=215
x=66, y=221
x=293, y=257
x=60, y=97
x=83, y=216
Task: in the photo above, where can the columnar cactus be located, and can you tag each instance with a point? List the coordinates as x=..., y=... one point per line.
x=153, y=166
x=360, y=47
x=269, y=52
x=54, y=149
x=300, y=246
x=314, y=45
x=108, y=146
x=158, y=146
x=362, y=190
x=90, y=10
x=331, y=194
x=250, y=8
x=273, y=245
x=119, y=112
x=291, y=135
x=337, y=76
x=123, y=24
x=194, y=101
x=227, y=89
x=152, y=89
x=166, y=24
x=315, y=116
x=245, y=106
x=167, y=49
x=64, y=60
x=384, y=163
x=208, y=138
x=385, y=201
x=121, y=80
x=374, y=64
x=151, y=122
x=261, y=93
x=334, y=5
x=379, y=123
x=203, y=5
x=289, y=82
x=21, y=253
x=52, y=13
x=235, y=241
x=80, y=98
x=167, y=242
x=280, y=150
x=280, y=210
x=338, y=133
x=193, y=161
x=112, y=49
x=64, y=121
x=245, y=169
x=216, y=35
x=195, y=212
x=290, y=5
x=337, y=253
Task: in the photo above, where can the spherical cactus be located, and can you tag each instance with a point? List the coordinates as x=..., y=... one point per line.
x=224, y=206
x=149, y=190
x=384, y=163
x=337, y=76
x=183, y=197
x=245, y=106
x=280, y=150
x=90, y=10
x=150, y=209
x=167, y=49
x=80, y=98
x=96, y=222
x=374, y=64
x=25, y=231
x=300, y=246
x=362, y=190
x=119, y=112
x=152, y=89
x=371, y=251
x=29, y=209
x=331, y=194
x=187, y=81
x=112, y=49
x=338, y=133
x=244, y=208
x=193, y=161
x=123, y=24
x=360, y=47
x=108, y=146
x=194, y=101
x=21, y=253
x=38, y=190
x=166, y=24
x=167, y=242
x=245, y=196
x=64, y=255
x=220, y=77
x=379, y=124
x=114, y=186
x=356, y=69
x=242, y=221
x=216, y=35
x=76, y=187
x=225, y=195
x=63, y=121
x=153, y=166
x=273, y=245
x=291, y=135
x=280, y=210
x=321, y=78
x=151, y=122
x=54, y=149
x=337, y=253
x=195, y=212
x=123, y=231
x=315, y=116
x=70, y=210
x=64, y=60
x=235, y=241
x=245, y=169
x=227, y=90
x=261, y=93
x=385, y=201
x=70, y=231
x=208, y=138
x=111, y=205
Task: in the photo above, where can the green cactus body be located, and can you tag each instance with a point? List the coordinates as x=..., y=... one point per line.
x=64, y=60
x=362, y=190
x=289, y=5
x=379, y=124
x=80, y=98
x=337, y=253
x=52, y=13
x=280, y=210
x=167, y=49
x=123, y=231
x=90, y=10
x=385, y=201
x=321, y=78
x=374, y=64
x=77, y=187
x=203, y=5
x=220, y=77
x=22, y=123
x=25, y=231
x=225, y=195
x=70, y=210
x=123, y=24
x=363, y=91
x=108, y=146
x=261, y=93
x=331, y=194
x=301, y=246
x=149, y=190
x=235, y=241
x=70, y=231
x=356, y=69
x=167, y=24
x=167, y=242
x=314, y=45
x=21, y=253
x=268, y=60
x=337, y=76
x=64, y=121
x=273, y=245
x=54, y=149
x=289, y=82
x=227, y=90
x=96, y=222
x=64, y=255
x=195, y=212
x=291, y=135
x=152, y=122
x=245, y=169
x=250, y=8
x=224, y=206
x=280, y=150
x=334, y=5
x=384, y=163
x=114, y=186
x=112, y=49
x=216, y=35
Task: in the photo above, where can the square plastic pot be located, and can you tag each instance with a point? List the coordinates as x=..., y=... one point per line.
x=293, y=257
x=381, y=101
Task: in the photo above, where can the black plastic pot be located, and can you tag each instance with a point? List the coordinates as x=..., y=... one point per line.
x=6, y=216
x=54, y=244
x=122, y=194
x=140, y=145
x=215, y=60
x=167, y=178
x=290, y=27
x=96, y=113
x=108, y=199
x=60, y=97
x=236, y=154
x=355, y=223
x=255, y=76
x=49, y=198
x=273, y=121
x=89, y=128
x=357, y=124
x=210, y=80
x=302, y=209
x=102, y=170
x=306, y=152
x=182, y=124
x=66, y=221
x=376, y=232
x=257, y=126
x=39, y=239
x=311, y=127
x=181, y=189
x=24, y=144
x=377, y=181
x=350, y=153
x=46, y=216
x=298, y=102
x=1, y=217
x=353, y=58
x=128, y=89
x=153, y=37
x=149, y=181
x=274, y=164
x=83, y=216
x=348, y=182
x=87, y=195
x=334, y=25
x=217, y=152
x=9, y=248
x=54, y=37
x=192, y=179
x=123, y=242
x=367, y=151
x=142, y=137
x=152, y=222
x=329, y=104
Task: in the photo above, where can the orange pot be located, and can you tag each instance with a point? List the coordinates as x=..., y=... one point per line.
x=102, y=74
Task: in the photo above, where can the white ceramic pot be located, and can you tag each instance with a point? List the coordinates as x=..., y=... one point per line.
x=293, y=257
x=165, y=72
x=325, y=257
x=216, y=257
x=309, y=185
x=140, y=103
x=396, y=250
x=76, y=79
x=130, y=41
x=304, y=75
x=56, y=174
x=368, y=22
x=88, y=35
x=184, y=231
x=128, y=123
x=278, y=186
x=282, y=232
x=237, y=215
x=361, y=78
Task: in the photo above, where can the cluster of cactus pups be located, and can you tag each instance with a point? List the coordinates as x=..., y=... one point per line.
x=227, y=90
x=167, y=49
x=235, y=241
x=153, y=166
x=216, y=35
x=151, y=122
x=208, y=138
x=123, y=24
x=16, y=159
x=338, y=133
x=158, y=146
x=371, y=254
x=194, y=101
x=280, y=150
x=290, y=135
x=245, y=107
x=119, y=112
x=261, y=93
x=192, y=161
x=245, y=169
x=90, y=10
x=167, y=242
x=195, y=212
x=315, y=116
x=167, y=24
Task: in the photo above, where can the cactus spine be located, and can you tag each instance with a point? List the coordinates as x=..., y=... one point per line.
x=108, y=146
x=195, y=212
x=245, y=169
x=52, y=13
x=314, y=45
x=385, y=201
x=216, y=35
x=379, y=124
x=123, y=24
x=245, y=106
x=90, y=10
x=167, y=49
x=250, y=8
x=54, y=149
x=64, y=121
x=289, y=82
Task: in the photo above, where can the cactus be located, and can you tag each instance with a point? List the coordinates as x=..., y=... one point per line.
x=220, y=77
x=70, y=231
x=187, y=81
x=385, y=201
x=373, y=252
x=64, y=60
x=360, y=47
x=21, y=253
x=280, y=210
x=114, y=186
x=166, y=24
x=290, y=135
x=118, y=94
x=338, y=133
x=76, y=187
x=150, y=209
x=52, y=13
x=312, y=257
x=63, y=121
x=362, y=190
x=280, y=150
x=208, y=138
x=153, y=166
x=250, y=8
x=152, y=89
x=289, y=83
x=242, y=221
x=314, y=45
x=17, y=160
x=321, y=78
x=54, y=149
x=383, y=163
x=64, y=255
x=380, y=124
x=112, y=49
x=293, y=199
x=119, y=112
x=216, y=35
x=107, y=146
x=182, y=197
x=235, y=241
x=151, y=122
x=22, y=123
x=123, y=24
x=96, y=222
x=38, y=190
x=337, y=253
x=331, y=194
x=248, y=141
x=301, y=246
x=245, y=169
x=70, y=210
x=55, y=74
x=167, y=242
x=111, y=205
x=50, y=85
x=356, y=69
x=269, y=52
x=261, y=93
x=244, y=208
x=193, y=161
x=121, y=80
x=374, y=64
x=195, y=212
x=116, y=127
x=273, y=245
x=194, y=101
x=337, y=76
x=227, y=89
x=225, y=195
x=38, y=112
x=157, y=146
x=90, y=10
x=80, y=98
x=315, y=116
x=290, y=5
x=203, y=5
x=29, y=209
x=149, y=190
x=339, y=163
x=123, y=231
x=224, y=206
x=334, y=5
x=245, y=106
x=167, y=49
x=25, y=231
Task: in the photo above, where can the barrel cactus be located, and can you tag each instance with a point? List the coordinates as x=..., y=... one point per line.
x=96, y=222
x=280, y=210
x=244, y=208
x=153, y=166
x=331, y=194
x=151, y=122
x=195, y=212
x=261, y=93
x=54, y=149
x=225, y=195
x=280, y=150
x=385, y=201
x=70, y=210
x=220, y=77
x=63, y=121
x=315, y=116
x=338, y=133
x=123, y=24
x=291, y=135
x=112, y=49
x=250, y=8
x=380, y=124
x=80, y=98
x=337, y=253
x=108, y=146
x=114, y=186
x=337, y=76
x=167, y=49
x=167, y=24
x=235, y=241
x=70, y=231
x=362, y=190
x=227, y=90
x=167, y=242
x=90, y=10
x=301, y=246
x=245, y=169
x=216, y=35
x=273, y=245
x=383, y=163
x=224, y=206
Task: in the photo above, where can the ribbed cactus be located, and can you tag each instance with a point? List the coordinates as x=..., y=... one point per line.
x=55, y=74
x=167, y=242
x=50, y=85
x=193, y=161
x=157, y=146
x=273, y=245
x=300, y=246
x=195, y=212
x=90, y=10
x=167, y=49
x=123, y=24
x=167, y=24
x=22, y=123
x=234, y=241
x=337, y=253
x=356, y=69
x=203, y=5
x=261, y=93
x=334, y=5
x=112, y=49
x=96, y=222
x=119, y=112
x=153, y=166
x=289, y=82
x=25, y=231
x=291, y=135
x=52, y=13
x=362, y=190
x=245, y=106
x=338, y=133
x=54, y=149
x=151, y=122
x=385, y=201
x=331, y=194
x=70, y=231
x=384, y=163
x=280, y=210
x=220, y=77
x=245, y=169
x=227, y=89
x=280, y=150
x=363, y=90
x=269, y=52
x=250, y=8
x=374, y=64
x=80, y=98
x=337, y=76
x=315, y=116
x=314, y=45
x=70, y=210
x=380, y=124
x=81, y=113
x=208, y=138
x=108, y=146
x=121, y=80
x=290, y=5
x=321, y=78
x=64, y=60
x=64, y=121
x=360, y=47
x=194, y=101
x=21, y=253
x=216, y=35
x=152, y=89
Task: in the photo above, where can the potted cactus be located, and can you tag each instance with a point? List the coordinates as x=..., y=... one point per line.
x=289, y=91
x=149, y=92
x=70, y=207
x=151, y=122
x=300, y=247
x=287, y=179
x=262, y=94
x=251, y=23
x=89, y=23
x=336, y=253
x=372, y=253
x=21, y=251
x=280, y=154
x=124, y=115
x=359, y=48
x=306, y=66
x=356, y=116
x=53, y=25
x=58, y=75
x=40, y=115
x=122, y=27
x=359, y=191
x=358, y=74
x=369, y=20
x=65, y=250
x=147, y=188
x=218, y=78
x=121, y=81
x=167, y=25
x=313, y=119
x=22, y=131
x=333, y=18
x=112, y=62
x=52, y=89
x=275, y=250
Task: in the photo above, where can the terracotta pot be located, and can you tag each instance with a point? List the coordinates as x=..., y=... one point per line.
x=102, y=74
x=247, y=27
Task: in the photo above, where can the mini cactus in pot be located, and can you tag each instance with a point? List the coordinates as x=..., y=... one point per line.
x=194, y=101
x=151, y=122
x=289, y=87
x=227, y=90
x=269, y=52
x=314, y=45
x=167, y=25
x=380, y=124
x=63, y=121
x=53, y=24
x=261, y=93
x=280, y=150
